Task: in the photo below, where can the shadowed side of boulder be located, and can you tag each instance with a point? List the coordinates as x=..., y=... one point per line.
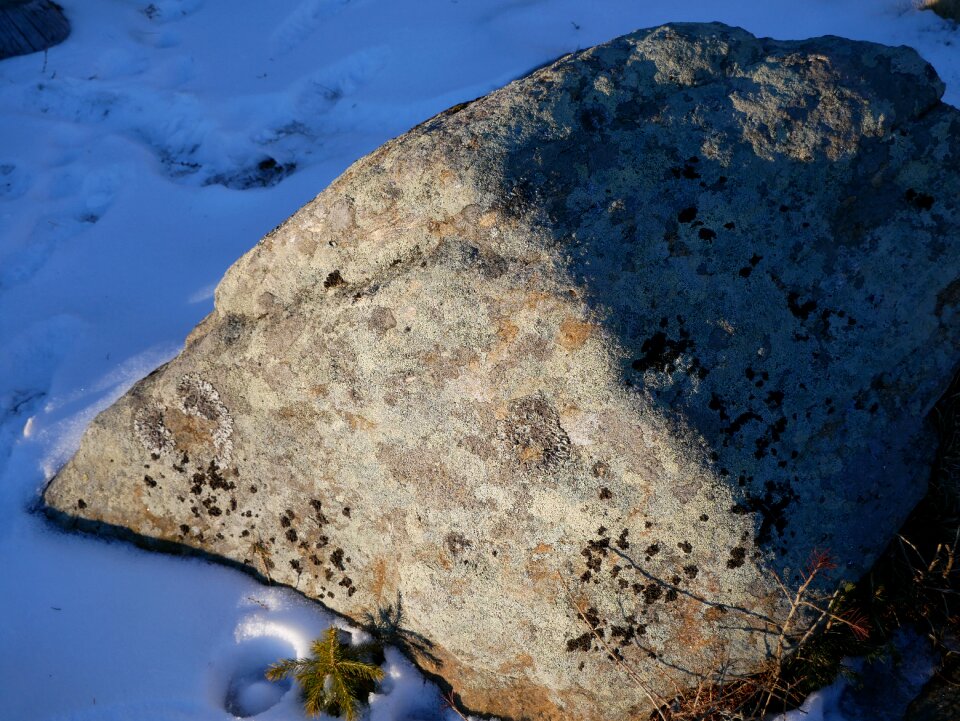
x=29, y=26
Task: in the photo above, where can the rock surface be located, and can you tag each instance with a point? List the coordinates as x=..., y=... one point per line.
x=619, y=337
x=29, y=26
x=940, y=699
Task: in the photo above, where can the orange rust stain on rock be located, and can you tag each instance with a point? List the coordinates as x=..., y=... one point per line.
x=506, y=330
x=444, y=561
x=378, y=584
x=294, y=411
x=445, y=227
x=190, y=433
x=530, y=454
x=543, y=578
x=515, y=698
x=542, y=548
x=534, y=299
x=713, y=614
x=521, y=662
x=690, y=625
x=358, y=422
x=573, y=333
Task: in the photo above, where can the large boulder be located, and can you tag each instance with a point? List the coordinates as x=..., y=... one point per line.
x=29, y=26
x=608, y=347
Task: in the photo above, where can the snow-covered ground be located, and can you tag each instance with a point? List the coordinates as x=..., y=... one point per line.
x=124, y=154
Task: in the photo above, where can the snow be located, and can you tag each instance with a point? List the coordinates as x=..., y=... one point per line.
x=123, y=154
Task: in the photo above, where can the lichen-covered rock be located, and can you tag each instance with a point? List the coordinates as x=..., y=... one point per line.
x=605, y=347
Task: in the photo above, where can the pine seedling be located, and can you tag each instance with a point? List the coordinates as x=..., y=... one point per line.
x=334, y=679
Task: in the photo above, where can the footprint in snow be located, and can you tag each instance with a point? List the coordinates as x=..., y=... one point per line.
x=14, y=181
x=248, y=692
x=176, y=127
x=165, y=11
x=302, y=22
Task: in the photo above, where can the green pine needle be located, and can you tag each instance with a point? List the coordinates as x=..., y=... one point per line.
x=334, y=678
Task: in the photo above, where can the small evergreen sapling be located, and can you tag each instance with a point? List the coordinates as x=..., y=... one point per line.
x=334, y=679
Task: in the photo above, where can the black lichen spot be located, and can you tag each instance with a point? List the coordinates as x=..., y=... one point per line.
x=334, y=280
x=745, y=271
x=600, y=545
x=691, y=571
x=653, y=549
x=737, y=557
x=346, y=511
x=671, y=595
x=717, y=404
x=605, y=493
x=704, y=517
x=652, y=593
x=624, y=634
x=800, y=310
x=284, y=521
x=580, y=643
x=737, y=424
x=318, y=515
x=214, y=511
x=336, y=558
x=184, y=528
x=685, y=546
x=291, y=535
x=661, y=353
x=771, y=506
x=149, y=481
x=622, y=542
x=919, y=200
x=457, y=543
x=216, y=480
x=593, y=118
x=706, y=234
x=687, y=214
